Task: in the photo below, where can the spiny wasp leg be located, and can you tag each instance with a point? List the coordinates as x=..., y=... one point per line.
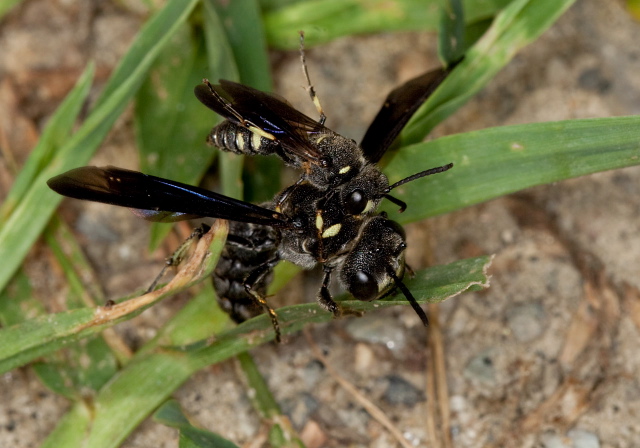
x=324, y=296
x=254, y=278
x=176, y=258
x=326, y=302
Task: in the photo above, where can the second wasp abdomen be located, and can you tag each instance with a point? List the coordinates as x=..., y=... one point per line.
x=240, y=140
x=248, y=247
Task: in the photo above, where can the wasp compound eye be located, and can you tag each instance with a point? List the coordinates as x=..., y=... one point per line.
x=355, y=202
x=363, y=286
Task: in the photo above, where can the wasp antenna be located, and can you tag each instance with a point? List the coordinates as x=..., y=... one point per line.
x=402, y=204
x=416, y=307
x=436, y=170
x=310, y=89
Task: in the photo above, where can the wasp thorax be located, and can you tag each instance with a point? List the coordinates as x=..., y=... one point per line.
x=342, y=160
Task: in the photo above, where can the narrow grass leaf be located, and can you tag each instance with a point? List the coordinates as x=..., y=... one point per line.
x=33, y=212
x=138, y=389
x=28, y=340
x=171, y=125
x=56, y=132
x=71, y=428
x=17, y=303
x=7, y=5
x=262, y=400
x=171, y=414
x=282, y=433
x=497, y=161
x=85, y=365
x=431, y=285
x=516, y=26
x=245, y=33
x=154, y=373
x=451, y=33
x=222, y=65
x=325, y=20
x=493, y=162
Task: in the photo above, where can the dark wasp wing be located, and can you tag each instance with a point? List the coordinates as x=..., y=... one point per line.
x=397, y=109
x=158, y=199
x=244, y=105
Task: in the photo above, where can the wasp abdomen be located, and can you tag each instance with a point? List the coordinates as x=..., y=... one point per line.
x=248, y=247
x=240, y=140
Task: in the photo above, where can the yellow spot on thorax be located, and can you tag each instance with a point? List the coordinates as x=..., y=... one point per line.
x=332, y=231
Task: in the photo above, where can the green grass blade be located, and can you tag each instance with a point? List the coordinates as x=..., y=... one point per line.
x=82, y=366
x=245, y=34
x=451, y=33
x=282, y=433
x=497, y=161
x=32, y=213
x=171, y=124
x=7, y=5
x=516, y=26
x=222, y=65
x=55, y=133
x=149, y=42
x=71, y=429
x=431, y=285
x=170, y=414
x=36, y=337
x=138, y=389
x=325, y=20
x=262, y=400
x=17, y=303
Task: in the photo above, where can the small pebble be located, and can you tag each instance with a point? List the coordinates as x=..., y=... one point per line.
x=400, y=391
x=481, y=368
x=378, y=330
x=526, y=321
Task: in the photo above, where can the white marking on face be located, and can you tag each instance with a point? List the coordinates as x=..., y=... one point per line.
x=332, y=231
x=384, y=284
x=368, y=208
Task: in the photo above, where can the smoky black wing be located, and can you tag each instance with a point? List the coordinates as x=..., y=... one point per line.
x=157, y=199
x=245, y=105
x=397, y=109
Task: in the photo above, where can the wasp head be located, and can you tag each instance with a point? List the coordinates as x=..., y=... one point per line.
x=375, y=266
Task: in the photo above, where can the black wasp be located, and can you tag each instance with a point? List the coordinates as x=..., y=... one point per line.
x=327, y=217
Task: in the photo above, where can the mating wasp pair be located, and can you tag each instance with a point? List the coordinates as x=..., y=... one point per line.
x=328, y=217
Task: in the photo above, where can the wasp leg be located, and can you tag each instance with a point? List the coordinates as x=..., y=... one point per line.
x=253, y=279
x=176, y=258
x=310, y=89
x=324, y=296
x=285, y=195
